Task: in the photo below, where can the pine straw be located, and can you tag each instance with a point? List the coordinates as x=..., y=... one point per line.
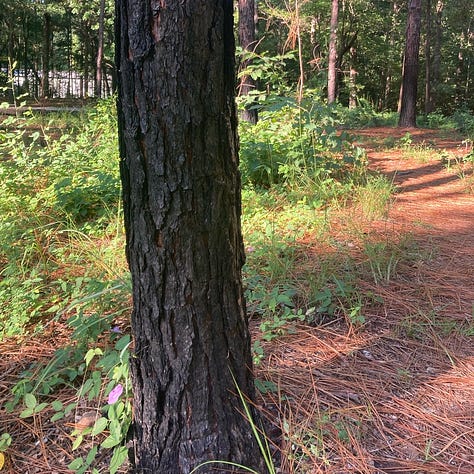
x=372, y=403
x=382, y=399
x=39, y=445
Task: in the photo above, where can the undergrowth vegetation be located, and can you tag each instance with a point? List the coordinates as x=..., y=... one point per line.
x=62, y=257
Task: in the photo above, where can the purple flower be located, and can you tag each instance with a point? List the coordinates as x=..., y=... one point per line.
x=115, y=393
x=116, y=329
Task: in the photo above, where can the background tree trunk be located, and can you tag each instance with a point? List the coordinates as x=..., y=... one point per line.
x=100, y=50
x=428, y=63
x=436, y=71
x=352, y=79
x=46, y=54
x=332, y=61
x=247, y=43
x=409, y=89
x=181, y=192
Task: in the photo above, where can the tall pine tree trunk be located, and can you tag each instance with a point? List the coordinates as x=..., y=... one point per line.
x=46, y=56
x=247, y=43
x=332, y=61
x=436, y=70
x=181, y=192
x=428, y=62
x=100, y=50
x=409, y=89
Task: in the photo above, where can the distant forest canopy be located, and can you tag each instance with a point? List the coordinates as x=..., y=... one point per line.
x=64, y=48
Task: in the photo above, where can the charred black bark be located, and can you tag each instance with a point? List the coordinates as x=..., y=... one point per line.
x=181, y=193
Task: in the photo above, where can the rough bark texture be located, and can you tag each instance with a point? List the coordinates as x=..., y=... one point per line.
x=332, y=62
x=410, y=66
x=181, y=190
x=247, y=43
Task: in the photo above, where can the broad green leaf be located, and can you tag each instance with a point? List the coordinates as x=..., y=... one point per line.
x=26, y=413
x=91, y=353
x=76, y=464
x=57, y=416
x=110, y=442
x=30, y=400
x=77, y=442
x=118, y=458
x=91, y=455
x=123, y=342
x=57, y=405
x=99, y=426
x=40, y=407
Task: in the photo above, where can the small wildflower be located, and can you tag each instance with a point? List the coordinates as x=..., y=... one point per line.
x=115, y=393
x=116, y=330
x=250, y=249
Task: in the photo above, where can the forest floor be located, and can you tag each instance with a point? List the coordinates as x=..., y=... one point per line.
x=395, y=395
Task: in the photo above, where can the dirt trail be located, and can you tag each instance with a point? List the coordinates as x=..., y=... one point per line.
x=433, y=203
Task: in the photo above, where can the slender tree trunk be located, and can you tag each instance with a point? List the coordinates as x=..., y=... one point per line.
x=436, y=76
x=332, y=61
x=463, y=69
x=100, y=50
x=69, y=52
x=181, y=192
x=10, y=62
x=410, y=66
x=387, y=72
x=300, y=54
x=247, y=42
x=46, y=54
x=352, y=79
x=26, y=84
x=85, y=83
x=428, y=63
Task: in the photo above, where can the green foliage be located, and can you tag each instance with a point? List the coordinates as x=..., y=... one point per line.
x=270, y=70
x=94, y=372
x=42, y=201
x=5, y=441
x=290, y=145
x=464, y=120
x=384, y=256
x=364, y=116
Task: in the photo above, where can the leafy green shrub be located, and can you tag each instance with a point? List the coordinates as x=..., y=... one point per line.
x=435, y=120
x=291, y=145
x=85, y=197
x=364, y=116
x=464, y=120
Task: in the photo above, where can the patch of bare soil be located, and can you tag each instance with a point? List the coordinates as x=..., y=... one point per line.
x=396, y=396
